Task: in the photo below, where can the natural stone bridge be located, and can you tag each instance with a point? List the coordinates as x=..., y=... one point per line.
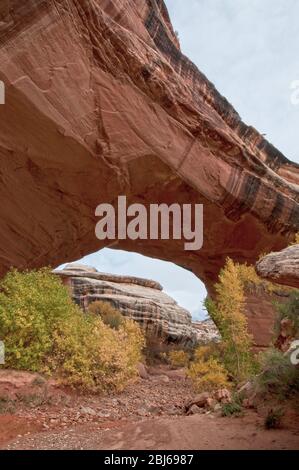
x=100, y=101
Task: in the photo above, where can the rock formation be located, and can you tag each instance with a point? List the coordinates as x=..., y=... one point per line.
x=206, y=331
x=101, y=102
x=140, y=299
x=281, y=267
x=261, y=313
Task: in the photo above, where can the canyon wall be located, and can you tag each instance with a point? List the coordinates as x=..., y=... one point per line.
x=101, y=101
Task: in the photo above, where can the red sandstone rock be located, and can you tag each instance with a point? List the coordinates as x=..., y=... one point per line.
x=286, y=334
x=223, y=395
x=199, y=400
x=142, y=372
x=100, y=101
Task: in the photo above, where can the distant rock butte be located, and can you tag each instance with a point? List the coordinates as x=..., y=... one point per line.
x=139, y=299
x=101, y=102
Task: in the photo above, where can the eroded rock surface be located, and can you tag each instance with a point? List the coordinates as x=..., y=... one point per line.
x=281, y=267
x=140, y=299
x=206, y=331
x=100, y=101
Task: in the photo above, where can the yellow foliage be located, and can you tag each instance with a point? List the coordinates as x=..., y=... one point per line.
x=228, y=313
x=109, y=314
x=250, y=279
x=45, y=331
x=178, y=358
x=208, y=375
x=203, y=353
x=296, y=240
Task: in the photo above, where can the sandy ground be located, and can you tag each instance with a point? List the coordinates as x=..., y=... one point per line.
x=148, y=415
x=198, y=432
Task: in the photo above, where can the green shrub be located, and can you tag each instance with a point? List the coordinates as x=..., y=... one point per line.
x=274, y=418
x=231, y=409
x=289, y=311
x=44, y=331
x=279, y=376
x=109, y=314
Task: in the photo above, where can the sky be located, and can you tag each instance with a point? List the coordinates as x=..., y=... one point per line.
x=249, y=50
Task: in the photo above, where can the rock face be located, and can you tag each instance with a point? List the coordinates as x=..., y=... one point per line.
x=101, y=102
x=140, y=299
x=206, y=331
x=281, y=267
x=261, y=313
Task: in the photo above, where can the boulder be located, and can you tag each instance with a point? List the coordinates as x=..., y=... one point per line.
x=194, y=410
x=199, y=400
x=223, y=396
x=281, y=267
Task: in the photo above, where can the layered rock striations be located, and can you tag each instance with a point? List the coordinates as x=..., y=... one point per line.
x=101, y=102
x=139, y=299
x=281, y=267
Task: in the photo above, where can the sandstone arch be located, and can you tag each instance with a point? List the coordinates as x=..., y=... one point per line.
x=100, y=101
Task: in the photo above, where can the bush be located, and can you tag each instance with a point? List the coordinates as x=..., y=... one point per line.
x=178, y=358
x=109, y=314
x=156, y=348
x=211, y=350
x=208, y=375
x=273, y=419
x=296, y=239
x=279, y=376
x=227, y=312
x=290, y=311
x=44, y=331
x=232, y=409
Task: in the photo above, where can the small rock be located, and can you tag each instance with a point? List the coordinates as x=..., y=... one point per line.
x=223, y=396
x=87, y=410
x=211, y=403
x=199, y=400
x=154, y=409
x=142, y=412
x=193, y=410
x=164, y=378
x=217, y=407
x=142, y=371
x=103, y=414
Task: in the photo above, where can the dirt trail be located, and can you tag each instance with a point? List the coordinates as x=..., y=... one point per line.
x=148, y=415
x=185, y=433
